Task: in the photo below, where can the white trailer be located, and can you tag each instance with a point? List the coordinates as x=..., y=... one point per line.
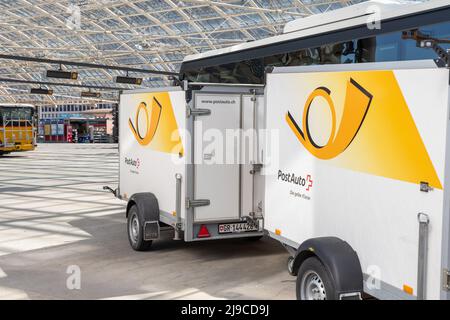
x=346, y=166
x=360, y=195
x=167, y=183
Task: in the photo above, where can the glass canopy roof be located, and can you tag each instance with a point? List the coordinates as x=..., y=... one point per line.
x=150, y=34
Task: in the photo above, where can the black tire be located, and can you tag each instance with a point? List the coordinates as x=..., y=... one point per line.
x=135, y=230
x=290, y=265
x=314, y=281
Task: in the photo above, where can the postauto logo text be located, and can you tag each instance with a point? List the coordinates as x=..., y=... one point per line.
x=132, y=162
x=294, y=179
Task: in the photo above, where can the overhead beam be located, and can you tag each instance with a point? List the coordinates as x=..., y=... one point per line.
x=85, y=65
x=63, y=98
x=61, y=84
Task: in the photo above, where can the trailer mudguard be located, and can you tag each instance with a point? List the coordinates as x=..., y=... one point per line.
x=338, y=257
x=148, y=211
x=147, y=205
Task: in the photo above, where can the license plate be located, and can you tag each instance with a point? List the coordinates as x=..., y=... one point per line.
x=237, y=227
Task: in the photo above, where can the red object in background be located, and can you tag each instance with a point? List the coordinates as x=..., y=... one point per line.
x=69, y=135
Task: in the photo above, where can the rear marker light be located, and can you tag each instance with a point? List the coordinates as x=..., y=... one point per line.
x=408, y=289
x=203, y=233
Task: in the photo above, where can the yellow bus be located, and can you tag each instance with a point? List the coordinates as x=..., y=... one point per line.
x=17, y=128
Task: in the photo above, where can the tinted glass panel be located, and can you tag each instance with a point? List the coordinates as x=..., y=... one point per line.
x=11, y=113
x=387, y=47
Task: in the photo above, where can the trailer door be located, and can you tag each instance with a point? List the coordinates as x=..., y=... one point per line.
x=216, y=178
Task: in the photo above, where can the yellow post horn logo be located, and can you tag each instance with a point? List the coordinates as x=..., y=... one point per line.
x=356, y=105
x=152, y=120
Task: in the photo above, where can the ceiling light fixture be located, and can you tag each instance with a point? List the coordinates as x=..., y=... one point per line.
x=41, y=91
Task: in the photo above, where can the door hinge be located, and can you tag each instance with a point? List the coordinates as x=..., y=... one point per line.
x=256, y=167
x=198, y=112
x=197, y=203
x=446, y=280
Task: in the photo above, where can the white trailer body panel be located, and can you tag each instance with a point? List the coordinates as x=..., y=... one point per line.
x=216, y=179
x=150, y=166
x=358, y=173
x=225, y=149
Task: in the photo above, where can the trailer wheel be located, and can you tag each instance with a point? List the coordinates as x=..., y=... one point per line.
x=314, y=281
x=290, y=265
x=135, y=230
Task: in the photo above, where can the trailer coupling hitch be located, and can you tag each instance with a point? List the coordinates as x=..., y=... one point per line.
x=113, y=191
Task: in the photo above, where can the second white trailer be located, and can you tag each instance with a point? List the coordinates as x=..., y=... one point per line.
x=360, y=193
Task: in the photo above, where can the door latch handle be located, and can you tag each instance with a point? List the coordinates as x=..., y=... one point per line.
x=197, y=203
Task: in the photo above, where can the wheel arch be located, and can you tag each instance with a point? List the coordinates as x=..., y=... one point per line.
x=339, y=259
x=147, y=204
x=130, y=203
